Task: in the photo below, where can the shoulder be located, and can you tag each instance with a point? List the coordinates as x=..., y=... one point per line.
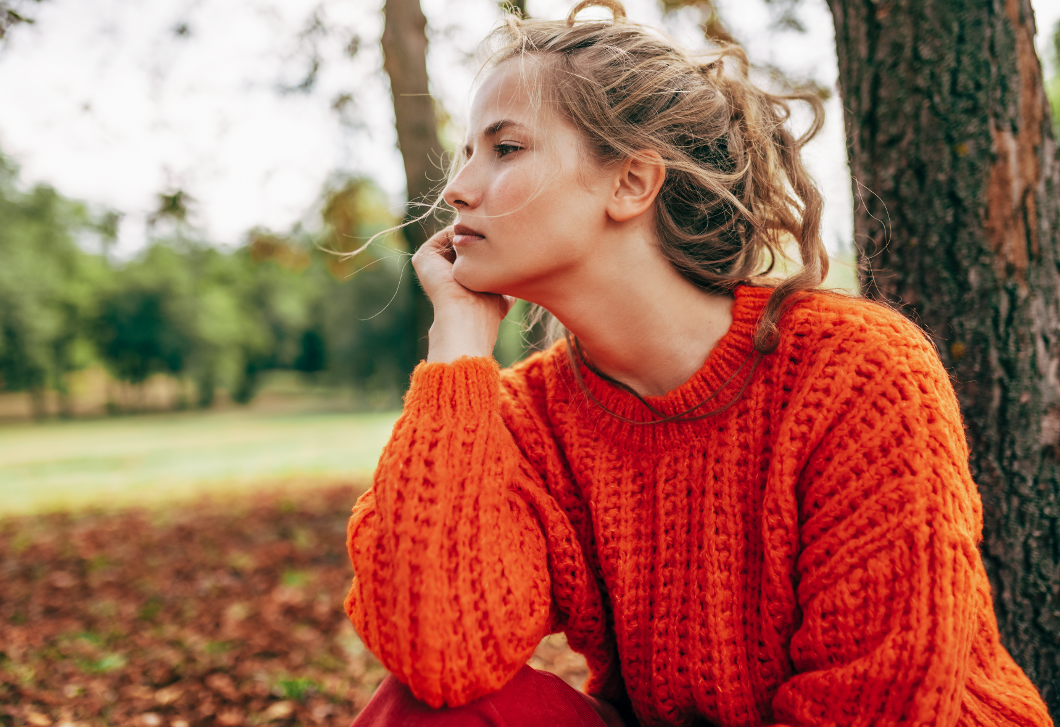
x=865, y=391
x=841, y=356
x=856, y=334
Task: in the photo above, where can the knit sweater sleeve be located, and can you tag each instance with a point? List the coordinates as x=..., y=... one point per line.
x=452, y=587
x=889, y=580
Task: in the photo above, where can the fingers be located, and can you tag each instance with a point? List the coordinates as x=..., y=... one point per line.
x=428, y=260
x=433, y=263
x=443, y=239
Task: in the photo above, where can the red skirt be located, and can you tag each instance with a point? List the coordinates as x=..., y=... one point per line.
x=531, y=699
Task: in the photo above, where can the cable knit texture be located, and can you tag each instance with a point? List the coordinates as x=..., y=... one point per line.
x=807, y=557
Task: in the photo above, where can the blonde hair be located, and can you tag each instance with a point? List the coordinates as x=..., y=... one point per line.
x=735, y=191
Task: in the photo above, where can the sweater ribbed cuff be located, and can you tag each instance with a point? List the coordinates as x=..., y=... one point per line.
x=468, y=385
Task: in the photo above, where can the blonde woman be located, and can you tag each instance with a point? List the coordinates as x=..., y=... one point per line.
x=744, y=504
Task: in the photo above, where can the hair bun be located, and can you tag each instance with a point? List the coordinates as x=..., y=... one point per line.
x=618, y=11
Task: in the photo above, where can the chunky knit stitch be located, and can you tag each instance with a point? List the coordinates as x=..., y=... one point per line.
x=807, y=557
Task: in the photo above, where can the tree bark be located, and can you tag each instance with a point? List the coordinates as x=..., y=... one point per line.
x=404, y=44
x=957, y=189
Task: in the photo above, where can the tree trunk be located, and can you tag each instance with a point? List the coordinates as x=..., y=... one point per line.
x=405, y=62
x=957, y=189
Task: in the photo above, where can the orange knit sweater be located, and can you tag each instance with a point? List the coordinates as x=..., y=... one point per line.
x=807, y=557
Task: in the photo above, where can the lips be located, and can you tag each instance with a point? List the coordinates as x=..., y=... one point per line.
x=463, y=235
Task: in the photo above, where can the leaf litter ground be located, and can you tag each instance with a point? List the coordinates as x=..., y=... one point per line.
x=212, y=613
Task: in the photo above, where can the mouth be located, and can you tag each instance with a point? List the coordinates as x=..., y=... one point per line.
x=464, y=235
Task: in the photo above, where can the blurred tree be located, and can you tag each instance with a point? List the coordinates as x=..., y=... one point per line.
x=515, y=7
x=47, y=288
x=404, y=45
x=368, y=314
x=286, y=294
x=138, y=336
x=192, y=311
x=957, y=179
x=12, y=12
x=227, y=331
x=145, y=321
x=783, y=17
x=1053, y=87
x=184, y=308
x=308, y=58
x=313, y=357
x=709, y=18
x=173, y=207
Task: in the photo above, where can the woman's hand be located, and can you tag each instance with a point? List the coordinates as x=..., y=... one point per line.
x=465, y=322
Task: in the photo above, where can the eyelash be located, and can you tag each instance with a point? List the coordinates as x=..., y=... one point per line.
x=500, y=149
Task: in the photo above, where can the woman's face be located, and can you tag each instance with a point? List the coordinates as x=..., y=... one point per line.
x=530, y=203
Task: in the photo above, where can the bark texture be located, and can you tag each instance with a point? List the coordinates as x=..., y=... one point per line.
x=404, y=45
x=957, y=196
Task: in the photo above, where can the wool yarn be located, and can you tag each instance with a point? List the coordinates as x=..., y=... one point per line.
x=806, y=557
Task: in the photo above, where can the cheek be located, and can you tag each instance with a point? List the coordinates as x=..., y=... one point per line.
x=538, y=231
x=513, y=192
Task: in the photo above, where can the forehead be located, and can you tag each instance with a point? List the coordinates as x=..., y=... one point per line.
x=508, y=93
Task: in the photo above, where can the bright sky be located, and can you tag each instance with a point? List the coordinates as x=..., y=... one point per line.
x=104, y=100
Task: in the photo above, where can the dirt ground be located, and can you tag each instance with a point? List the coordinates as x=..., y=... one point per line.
x=216, y=613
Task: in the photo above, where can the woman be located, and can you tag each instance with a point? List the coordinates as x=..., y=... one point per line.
x=743, y=504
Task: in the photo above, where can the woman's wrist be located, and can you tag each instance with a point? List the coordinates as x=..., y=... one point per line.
x=461, y=333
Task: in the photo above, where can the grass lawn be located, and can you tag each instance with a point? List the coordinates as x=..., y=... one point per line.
x=149, y=459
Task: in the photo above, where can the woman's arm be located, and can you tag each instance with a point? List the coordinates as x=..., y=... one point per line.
x=897, y=623
x=460, y=554
x=451, y=588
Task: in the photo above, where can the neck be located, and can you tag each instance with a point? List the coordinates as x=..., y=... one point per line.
x=640, y=321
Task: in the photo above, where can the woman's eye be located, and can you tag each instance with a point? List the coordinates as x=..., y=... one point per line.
x=504, y=150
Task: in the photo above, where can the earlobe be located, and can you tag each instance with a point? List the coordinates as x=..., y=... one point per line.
x=636, y=185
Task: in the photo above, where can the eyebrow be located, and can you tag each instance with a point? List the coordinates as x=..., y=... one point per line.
x=492, y=130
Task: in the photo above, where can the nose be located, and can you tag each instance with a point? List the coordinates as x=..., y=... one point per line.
x=462, y=193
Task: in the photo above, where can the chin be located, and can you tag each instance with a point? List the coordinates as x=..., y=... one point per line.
x=474, y=278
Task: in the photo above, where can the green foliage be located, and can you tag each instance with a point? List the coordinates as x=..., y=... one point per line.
x=294, y=578
x=106, y=663
x=10, y=16
x=296, y=689
x=1052, y=90
x=214, y=318
x=48, y=286
x=143, y=326
x=367, y=312
x=1052, y=86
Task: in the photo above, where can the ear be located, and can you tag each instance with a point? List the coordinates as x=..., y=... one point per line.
x=635, y=186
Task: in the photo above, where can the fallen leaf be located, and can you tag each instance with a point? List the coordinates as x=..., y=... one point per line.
x=62, y=579
x=168, y=695
x=230, y=717
x=223, y=685
x=279, y=710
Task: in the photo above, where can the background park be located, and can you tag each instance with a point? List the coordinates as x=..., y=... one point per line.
x=195, y=387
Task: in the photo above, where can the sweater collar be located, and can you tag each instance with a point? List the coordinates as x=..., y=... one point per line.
x=729, y=361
